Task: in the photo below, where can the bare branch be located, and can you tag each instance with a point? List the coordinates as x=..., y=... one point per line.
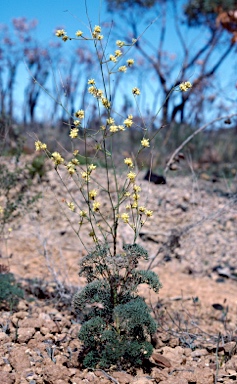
x=189, y=138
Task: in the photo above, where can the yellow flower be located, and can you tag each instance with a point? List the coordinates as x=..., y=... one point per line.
x=92, y=194
x=71, y=206
x=128, y=122
x=1, y=209
x=75, y=152
x=130, y=117
x=121, y=128
x=99, y=93
x=97, y=29
x=76, y=122
x=137, y=188
x=130, y=62
x=145, y=143
x=135, y=196
x=100, y=37
x=39, y=145
x=85, y=176
x=96, y=206
x=82, y=213
x=134, y=41
x=128, y=206
x=91, y=81
x=65, y=38
x=120, y=43
x=110, y=121
x=123, y=68
x=148, y=213
x=71, y=166
x=93, y=235
x=142, y=209
x=92, y=90
x=113, y=128
x=136, y=91
x=79, y=33
x=128, y=161
x=131, y=176
x=112, y=58
x=118, y=53
x=75, y=161
x=71, y=170
x=105, y=102
x=80, y=114
x=188, y=84
x=60, y=32
x=185, y=86
x=134, y=204
x=74, y=133
x=125, y=217
x=57, y=158
x=127, y=194
x=91, y=167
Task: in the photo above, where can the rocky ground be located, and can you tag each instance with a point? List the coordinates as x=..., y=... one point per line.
x=192, y=245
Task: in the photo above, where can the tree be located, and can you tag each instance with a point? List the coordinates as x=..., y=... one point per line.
x=206, y=11
x=199, y=62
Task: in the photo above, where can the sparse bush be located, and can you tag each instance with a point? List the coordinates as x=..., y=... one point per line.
x=10, y=291
x=37, y=167
x=16, y=196
x=117, y=323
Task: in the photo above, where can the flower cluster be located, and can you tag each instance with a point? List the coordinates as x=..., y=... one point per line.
x=79, y=33
x=96, y=33
x=129, y=121
x=135, y=214
x=86, y=174
x=40, y=146
x=185, y=86
x=71, y=206
x=136, y=91
x=71, y=166
x=134, y=202
x=74, y=133
x=128, y=161
x=98, y=93
x=145, y=143
x=57, y=158
x=61, y=33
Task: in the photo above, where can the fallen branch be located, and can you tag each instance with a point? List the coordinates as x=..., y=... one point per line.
x=189, y=138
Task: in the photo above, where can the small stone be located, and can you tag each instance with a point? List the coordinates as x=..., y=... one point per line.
x=230, y=348
x=22, y=306
x=7, y=378
x=4, y=338
x=19, y=360
x=44, y=330
x=199, y=353
x=31, y=323
x=25, y=334
x=122, y=377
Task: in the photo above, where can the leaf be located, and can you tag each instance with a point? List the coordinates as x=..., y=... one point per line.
x=160, y=360
x=218, y=307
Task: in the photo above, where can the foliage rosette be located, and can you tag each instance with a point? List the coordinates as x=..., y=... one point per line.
x=116, y=325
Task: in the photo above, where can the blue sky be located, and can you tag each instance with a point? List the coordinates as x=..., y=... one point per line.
x=50, y=13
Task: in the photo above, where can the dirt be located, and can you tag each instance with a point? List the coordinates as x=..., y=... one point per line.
x=192, y=246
